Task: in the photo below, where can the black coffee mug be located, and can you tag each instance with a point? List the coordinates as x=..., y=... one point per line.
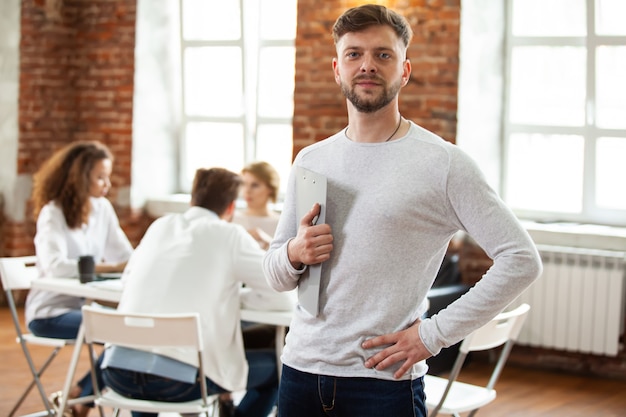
x=86, y=268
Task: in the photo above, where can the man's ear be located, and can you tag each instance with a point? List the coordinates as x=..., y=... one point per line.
x=229, y=212
x=406, y=72
x=336, y=71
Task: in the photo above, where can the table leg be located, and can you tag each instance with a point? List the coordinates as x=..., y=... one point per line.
x=280, y=343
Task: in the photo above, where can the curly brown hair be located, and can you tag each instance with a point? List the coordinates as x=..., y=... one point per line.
x=64, y=178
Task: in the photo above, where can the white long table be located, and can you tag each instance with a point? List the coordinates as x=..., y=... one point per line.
x=111, y=291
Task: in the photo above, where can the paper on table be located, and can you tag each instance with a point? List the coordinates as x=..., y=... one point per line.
x=311, y=188
x=102, y=276
x=108, y=284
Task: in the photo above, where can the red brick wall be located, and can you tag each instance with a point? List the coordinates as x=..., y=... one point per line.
x=76, y=80
x=430, y=98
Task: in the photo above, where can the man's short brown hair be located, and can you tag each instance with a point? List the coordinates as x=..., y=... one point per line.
x=362, y=17
x=215, y=189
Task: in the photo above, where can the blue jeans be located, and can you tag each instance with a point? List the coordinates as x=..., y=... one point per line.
x=64, y=326
x=260, y=397
x=309, y=395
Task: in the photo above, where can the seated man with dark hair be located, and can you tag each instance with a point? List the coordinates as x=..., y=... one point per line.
x=197, y=261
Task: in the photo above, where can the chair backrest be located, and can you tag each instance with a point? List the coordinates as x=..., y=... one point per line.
x=103, y=325
x=502, y=328
x=18, y=272
x=107, y=326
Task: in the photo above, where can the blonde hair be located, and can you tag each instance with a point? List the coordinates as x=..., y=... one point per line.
x=267, y=174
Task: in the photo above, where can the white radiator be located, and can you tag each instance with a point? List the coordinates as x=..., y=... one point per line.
x=577, y=304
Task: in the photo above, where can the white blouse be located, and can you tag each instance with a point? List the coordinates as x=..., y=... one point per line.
x=58, y=247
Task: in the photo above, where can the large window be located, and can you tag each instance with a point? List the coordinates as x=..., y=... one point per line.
x=238, y=66
x=565, y=110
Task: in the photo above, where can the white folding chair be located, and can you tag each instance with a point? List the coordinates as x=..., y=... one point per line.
x=449, y=396
x=17, y=274
x=107, y=326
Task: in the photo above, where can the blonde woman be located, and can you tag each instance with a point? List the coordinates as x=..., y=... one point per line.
x=259, y=189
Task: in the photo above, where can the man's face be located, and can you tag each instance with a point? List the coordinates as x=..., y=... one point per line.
x=371, y=67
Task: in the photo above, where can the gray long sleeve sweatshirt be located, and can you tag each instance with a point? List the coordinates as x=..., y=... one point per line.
x=393, y=208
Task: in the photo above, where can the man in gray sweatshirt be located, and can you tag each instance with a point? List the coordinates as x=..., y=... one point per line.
x=396, y=195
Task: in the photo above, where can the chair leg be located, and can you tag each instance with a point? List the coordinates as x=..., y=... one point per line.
x=36, y=381
x=215, y=410
x=101, y=411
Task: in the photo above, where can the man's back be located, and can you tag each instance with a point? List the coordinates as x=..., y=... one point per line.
x=195, y=261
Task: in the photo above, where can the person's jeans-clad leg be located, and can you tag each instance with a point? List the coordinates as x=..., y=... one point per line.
x=298, y=395
x=308, y=395
x=260, y=397
x=86, y=382
x=262, y=388
x=151, y=387
x=64, y=326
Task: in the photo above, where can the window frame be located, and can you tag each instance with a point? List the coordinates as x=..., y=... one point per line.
x=251, y=44
x=590, y=212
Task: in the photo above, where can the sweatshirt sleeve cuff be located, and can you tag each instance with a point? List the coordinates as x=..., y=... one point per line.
x=428, y=333
x=287, y=262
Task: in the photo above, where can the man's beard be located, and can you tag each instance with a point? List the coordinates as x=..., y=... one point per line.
x=370, y=104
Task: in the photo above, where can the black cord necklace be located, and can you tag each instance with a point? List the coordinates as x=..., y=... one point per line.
x=395, y=131
x=389, y=138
